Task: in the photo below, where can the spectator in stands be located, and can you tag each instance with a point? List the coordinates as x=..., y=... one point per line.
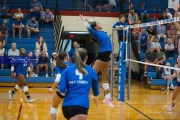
x=98, y=4
x=2, y=50
x=161, y=32
x=164, y=16
x=155, y=44
x=151, y=33
x=72, y=51
x=53, y=64
x=168, y=26
x=13, y=52
x=17, y=25
x=143, y=13
x=37, y=14
x=133, y=17
x=4, y=10
x=158, y=3
x=111, y=5
x=169, y=15
x=42, y=64
x=4, y=30
x=143, y=41
x=40, y=47
x=172, y=33
x=30, y=56
x=160, y=58
x=169, y=49
x=47, y=18
x=32, y=26
x=18, y=14
x=138, y=29
x=150, y=58
x=2, y=39
x=37, y=4
x=129, y=9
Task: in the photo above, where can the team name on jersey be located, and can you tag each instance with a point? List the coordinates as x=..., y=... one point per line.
x=78, y=82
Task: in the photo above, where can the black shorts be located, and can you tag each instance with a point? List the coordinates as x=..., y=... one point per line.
x=71, y=111
x=104, y=56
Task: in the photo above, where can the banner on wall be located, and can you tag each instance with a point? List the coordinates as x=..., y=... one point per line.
x=172, y=3
x=122, y=71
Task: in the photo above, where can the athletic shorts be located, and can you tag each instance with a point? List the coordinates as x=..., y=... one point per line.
x=177, y=83
x=70, y=111
x=104, y=56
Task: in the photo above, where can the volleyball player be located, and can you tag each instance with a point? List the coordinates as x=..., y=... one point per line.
x=103, y=57
x=177, y=87
x=176, y=25
x=21, y=67
x=75, y=85
x=61, y=63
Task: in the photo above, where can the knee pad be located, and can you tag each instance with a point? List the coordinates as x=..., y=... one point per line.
x=17, y=87
x=25, y=88
x=105, y=86
x=53, y=110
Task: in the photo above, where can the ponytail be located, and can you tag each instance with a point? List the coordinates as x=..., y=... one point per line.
x=60, y=59
x=80, y=55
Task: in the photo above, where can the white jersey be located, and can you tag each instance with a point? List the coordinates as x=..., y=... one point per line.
x=178, y=73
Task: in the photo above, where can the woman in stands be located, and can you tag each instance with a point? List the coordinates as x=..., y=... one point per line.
x=103, y=57
x=74, y=87
x=21, y=67
x=61, y=63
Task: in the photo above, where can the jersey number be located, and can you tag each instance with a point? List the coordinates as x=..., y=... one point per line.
x=79, y=74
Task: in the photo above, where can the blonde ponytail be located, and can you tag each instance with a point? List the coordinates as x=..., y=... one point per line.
x=80, y=55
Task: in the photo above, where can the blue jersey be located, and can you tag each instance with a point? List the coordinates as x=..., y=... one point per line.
x=144, y=11
x=144, y=37
x=17, y=22
x=101, y=37
x=71, y=54
x=59, y=69
x=120, y=32
x=77, y=86
x=21, y=64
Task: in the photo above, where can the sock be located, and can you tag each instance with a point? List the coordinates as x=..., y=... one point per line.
x=108, y=95
x=13, y=91
x=28, y=96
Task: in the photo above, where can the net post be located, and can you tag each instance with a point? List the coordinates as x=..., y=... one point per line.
x=111, y=71
x=129, y=63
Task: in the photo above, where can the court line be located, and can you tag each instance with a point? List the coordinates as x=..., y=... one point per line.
x=19, y=113
x=132, y=107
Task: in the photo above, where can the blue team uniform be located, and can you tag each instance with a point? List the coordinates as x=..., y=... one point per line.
x=5, y=8
x=144, y=37
x=120, y=32
x=59, y=69
x=77, y=86
x=101, y=37
x=20, y=65
x=71, y=54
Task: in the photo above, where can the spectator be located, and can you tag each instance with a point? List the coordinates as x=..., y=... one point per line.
x=150, y=58
x=143, y=13
x=111, y=5
x=42, y=64
x=169, y=15
x=4, y=30
x=17, y=25
x=40, y=47
x=172, y=33
x=155, y=44
x=2, y=50
x=72, y=51
x=164, y=16
x=47, y=18
x=143, y=40
x=53, y=64
x=133, y=18
x=37, y=4
x=99, y=4
x=138, y=29
x=32, y=26
x=160, y=58
x=151, y=33
x=13, y=52
x=4, y=10
x=158, y=3
x=129, y=9
x=168, y=26
x=169, y=49
x=2, y=39
x=30, y=56
x=37, y=14
x=161, y=32
x=18, y=14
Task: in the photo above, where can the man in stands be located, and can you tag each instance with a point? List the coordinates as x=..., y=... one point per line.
x=150, y=58
x=143, y=13
x=37, y=14
x=4, y=10
x=17, y=25
x=47, y=18
x=32, y=26
x=31, y=59
x=133, y=18
x=13, y=52
x=37, y=4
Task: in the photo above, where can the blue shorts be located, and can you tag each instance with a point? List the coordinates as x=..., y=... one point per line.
x=177, y=83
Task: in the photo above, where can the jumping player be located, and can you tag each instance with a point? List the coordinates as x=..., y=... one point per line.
x=21, y=67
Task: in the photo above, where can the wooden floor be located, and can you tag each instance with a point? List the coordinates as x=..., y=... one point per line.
x=144, y=104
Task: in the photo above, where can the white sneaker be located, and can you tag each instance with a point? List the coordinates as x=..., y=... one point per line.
x=47, y=76
x=108, y=101
x=139, y=51
x=172, y=87
x=30, y=100
x=10, y=95
x=171, y=108
x=35, y=75
x=27, y=75
x=167, y=88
